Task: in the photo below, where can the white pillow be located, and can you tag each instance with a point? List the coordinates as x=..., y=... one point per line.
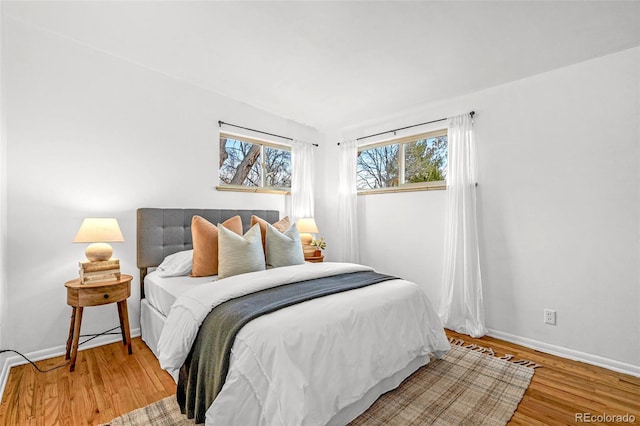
x=176, y=265
x=238, y=254
x=283, y=248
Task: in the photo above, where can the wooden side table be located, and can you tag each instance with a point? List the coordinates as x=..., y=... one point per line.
x=80, y=296
x=314, y=259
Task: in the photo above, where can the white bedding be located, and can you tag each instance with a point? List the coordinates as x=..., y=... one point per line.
x=162, y=292
x=303, y=364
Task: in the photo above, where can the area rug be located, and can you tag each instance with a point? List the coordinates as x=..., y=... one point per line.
x=468, y=386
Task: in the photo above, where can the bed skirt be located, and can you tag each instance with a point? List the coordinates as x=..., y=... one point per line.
x=151, y=323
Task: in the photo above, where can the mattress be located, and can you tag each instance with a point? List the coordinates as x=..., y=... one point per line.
x=161, y=293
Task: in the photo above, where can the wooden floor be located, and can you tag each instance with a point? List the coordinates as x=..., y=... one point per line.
x=107, y=383
x=561, y=388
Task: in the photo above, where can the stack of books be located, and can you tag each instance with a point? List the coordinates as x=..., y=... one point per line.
x=99, y=272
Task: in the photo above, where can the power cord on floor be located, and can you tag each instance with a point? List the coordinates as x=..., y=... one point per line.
x=66, y=362
x=32, y=363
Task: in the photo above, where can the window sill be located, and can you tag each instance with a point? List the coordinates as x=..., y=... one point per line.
x=237, y=188
x=409, y=187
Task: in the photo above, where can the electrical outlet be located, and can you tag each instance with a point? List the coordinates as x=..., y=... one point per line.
x=550, y=316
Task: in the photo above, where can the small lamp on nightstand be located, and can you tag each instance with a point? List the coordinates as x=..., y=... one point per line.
x=99, y=231
x=306, y=227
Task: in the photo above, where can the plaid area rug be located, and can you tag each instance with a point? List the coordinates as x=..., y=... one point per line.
x=466, y=387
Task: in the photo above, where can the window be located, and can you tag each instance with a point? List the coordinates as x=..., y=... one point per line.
x=251, y=164
x=412, y=163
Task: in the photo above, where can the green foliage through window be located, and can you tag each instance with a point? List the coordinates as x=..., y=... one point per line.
x=425, y=160
x=422, y=158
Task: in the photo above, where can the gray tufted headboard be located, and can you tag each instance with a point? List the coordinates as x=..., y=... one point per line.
x=161, y=232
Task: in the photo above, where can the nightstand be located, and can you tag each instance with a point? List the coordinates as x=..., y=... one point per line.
x=314, y=259
x=80, y=296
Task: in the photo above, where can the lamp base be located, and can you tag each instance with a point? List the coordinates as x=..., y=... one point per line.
x=307, y=248
x=98, y=252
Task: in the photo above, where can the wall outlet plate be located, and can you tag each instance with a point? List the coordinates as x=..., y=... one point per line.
x=550, y=316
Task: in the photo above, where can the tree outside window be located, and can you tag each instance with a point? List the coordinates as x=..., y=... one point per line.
x=407, y=162
x=378, y=167
x=247, y=162
x=425, y=160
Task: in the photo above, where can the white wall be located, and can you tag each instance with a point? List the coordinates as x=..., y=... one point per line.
x=3, y=196
x=559, y=207
x=93, y=135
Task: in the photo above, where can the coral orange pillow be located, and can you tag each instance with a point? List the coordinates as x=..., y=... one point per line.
x=282, y=225
x=205, y=244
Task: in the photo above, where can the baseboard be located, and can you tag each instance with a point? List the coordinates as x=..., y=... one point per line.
x=16, y=360
x=610, y=364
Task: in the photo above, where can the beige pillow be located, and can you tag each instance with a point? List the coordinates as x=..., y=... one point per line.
x=283, y=248
x=281, y=225
x=239, y=254
x=205, y=244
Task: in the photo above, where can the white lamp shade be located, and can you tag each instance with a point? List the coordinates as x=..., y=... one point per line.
x=99, y=230
x=307, y=225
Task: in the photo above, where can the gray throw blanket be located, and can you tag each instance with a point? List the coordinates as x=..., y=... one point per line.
x=203, y=374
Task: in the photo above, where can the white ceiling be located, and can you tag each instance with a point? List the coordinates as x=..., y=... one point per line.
x=332, y=64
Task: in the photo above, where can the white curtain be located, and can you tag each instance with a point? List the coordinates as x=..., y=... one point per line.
x=461, y=306
x=301, y=180
x=348, y=202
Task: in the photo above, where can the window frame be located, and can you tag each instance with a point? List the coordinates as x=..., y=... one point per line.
x=254, y=141
x=402, y=185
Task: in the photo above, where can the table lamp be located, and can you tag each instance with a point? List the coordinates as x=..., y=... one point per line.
x=306, y=227
x=99, y=231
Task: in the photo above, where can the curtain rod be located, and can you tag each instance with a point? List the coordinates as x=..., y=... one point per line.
x=220, y=123
x=472, y=113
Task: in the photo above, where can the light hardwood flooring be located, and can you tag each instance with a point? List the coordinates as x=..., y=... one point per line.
x=561, y=388
x=108, y=382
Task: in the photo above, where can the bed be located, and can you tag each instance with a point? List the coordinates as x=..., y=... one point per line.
x=322, y=361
